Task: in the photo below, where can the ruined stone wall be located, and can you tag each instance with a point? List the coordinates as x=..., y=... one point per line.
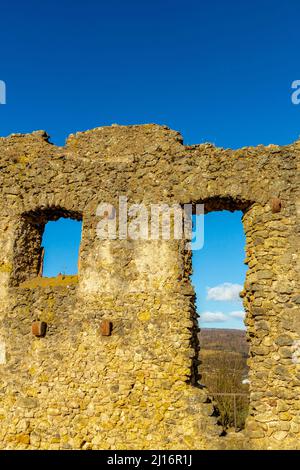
x=136, y=389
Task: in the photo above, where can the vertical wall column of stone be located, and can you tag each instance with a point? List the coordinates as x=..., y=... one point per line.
x=27, y=242
x=6, y=230
x=11, y=351
x=37, y=404
x=272, y=328
x=147, y=364
x=198, y=429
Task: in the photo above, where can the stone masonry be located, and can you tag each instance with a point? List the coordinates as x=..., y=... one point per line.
x=138, y=387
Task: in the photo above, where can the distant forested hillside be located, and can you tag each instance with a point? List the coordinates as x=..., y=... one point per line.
x=219, y=339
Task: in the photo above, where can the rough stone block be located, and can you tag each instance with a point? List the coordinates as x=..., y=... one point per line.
x=276, y=205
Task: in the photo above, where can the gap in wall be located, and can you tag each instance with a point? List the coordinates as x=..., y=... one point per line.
x=218, y=277
x=61, y=241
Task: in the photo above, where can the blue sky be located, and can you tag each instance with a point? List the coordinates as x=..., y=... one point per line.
x=217, y=71
x=61, y=240
x=219, y=271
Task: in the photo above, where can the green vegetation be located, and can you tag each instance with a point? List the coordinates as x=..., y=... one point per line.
x=223, y=367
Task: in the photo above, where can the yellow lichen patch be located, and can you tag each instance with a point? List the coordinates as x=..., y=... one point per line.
x=51, y=303
x=144, y=316
x=43, y=378
x=23, y=159
x=31, y=392
x=189, y=441
x=22, y=438
x=58, y=281
x=5, y=267
x=32, y=370
x=48, y=316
